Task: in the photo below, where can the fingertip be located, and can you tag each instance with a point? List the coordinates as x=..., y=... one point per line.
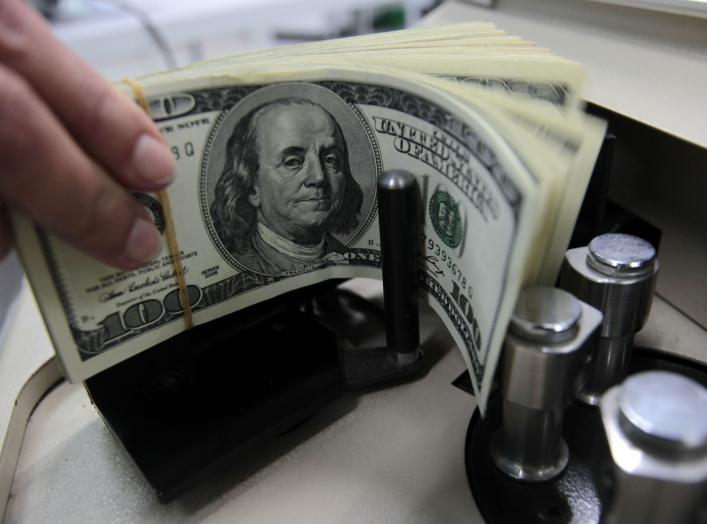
x=152, y=162
x=143, y=244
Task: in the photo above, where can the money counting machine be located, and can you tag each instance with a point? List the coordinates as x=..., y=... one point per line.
x=582, y=426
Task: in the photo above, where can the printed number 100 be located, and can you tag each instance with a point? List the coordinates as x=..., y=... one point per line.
x=147, y=312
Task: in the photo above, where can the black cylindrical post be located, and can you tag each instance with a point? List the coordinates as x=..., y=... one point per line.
x=398, y=212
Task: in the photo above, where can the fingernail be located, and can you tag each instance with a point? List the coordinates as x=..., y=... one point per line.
x=152, y=161
x=143, y=241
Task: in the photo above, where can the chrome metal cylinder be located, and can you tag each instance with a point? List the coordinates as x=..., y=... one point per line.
x=542, y=355
x=616, y=274
x=656, y=429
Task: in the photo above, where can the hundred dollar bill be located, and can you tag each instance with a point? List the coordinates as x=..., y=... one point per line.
x=276, y=190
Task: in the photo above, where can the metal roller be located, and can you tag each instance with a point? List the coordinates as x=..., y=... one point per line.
x=656, y=429
x=616, y=274
x=542, y=356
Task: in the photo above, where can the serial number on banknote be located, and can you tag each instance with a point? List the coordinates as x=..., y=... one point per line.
x=438, y=258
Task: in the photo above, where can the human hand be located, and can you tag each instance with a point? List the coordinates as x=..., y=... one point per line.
x=72, y=147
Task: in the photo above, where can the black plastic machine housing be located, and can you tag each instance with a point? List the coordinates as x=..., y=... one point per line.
x=198, y=401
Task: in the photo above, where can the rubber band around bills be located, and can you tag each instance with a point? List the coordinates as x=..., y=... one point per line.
x=170, y=234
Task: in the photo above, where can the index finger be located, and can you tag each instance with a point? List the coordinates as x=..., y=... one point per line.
x=107, y=125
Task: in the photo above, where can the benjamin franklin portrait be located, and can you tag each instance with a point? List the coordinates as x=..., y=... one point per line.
x=286, y=195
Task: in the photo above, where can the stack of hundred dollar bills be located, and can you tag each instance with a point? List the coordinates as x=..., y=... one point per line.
x=277, y=156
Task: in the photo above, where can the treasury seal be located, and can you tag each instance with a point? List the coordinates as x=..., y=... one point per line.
x=446, y=218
